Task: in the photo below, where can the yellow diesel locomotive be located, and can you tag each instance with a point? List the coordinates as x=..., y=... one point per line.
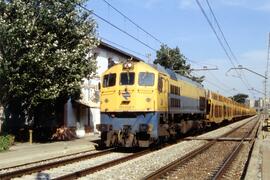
x=143, y=104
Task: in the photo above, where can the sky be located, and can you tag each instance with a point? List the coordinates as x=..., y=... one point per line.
x=245, y=24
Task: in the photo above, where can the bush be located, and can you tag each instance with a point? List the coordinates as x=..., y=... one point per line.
x=6, y=142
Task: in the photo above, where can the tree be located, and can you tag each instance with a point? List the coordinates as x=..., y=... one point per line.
x=44, y=54
x=175, y=60
x=241, y=98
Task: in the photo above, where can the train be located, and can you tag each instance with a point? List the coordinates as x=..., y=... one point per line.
x=145, y=104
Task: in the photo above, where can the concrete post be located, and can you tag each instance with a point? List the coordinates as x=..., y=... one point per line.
x=30, y=136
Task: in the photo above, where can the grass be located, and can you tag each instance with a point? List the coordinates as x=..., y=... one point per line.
x=6, y=142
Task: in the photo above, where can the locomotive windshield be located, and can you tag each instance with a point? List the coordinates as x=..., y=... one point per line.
x=146, y=79
x=127, y=78
x=109, y=80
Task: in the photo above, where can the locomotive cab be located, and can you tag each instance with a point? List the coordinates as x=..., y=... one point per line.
x=128, y=105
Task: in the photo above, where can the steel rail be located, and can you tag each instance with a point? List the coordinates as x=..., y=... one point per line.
x=229, y=159
x=29, y=170
x=157, y=174
x=49, y=159
x=49, y=165
x=90, y=170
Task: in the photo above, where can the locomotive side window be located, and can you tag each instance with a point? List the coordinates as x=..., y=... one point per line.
x=109, y=80
x=127, y=78
x=146, y=79
x=175, y=90
x=160, y=84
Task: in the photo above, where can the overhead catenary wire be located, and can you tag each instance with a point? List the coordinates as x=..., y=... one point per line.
x=216, y=85
x=241, y=73
x=215, y=32
x=118, y=28
x=218, y=80
x=125, y=16
x=220, y=41
x=219, y=87
x=114, y=43
x=221, y=31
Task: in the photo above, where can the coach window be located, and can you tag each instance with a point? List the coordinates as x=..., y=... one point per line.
x=109, y=80
x=127, y=78
x=146, y=79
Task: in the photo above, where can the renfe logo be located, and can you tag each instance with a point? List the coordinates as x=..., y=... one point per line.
x=126, y=95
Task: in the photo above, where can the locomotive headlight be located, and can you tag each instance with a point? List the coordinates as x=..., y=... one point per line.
x=127, y=65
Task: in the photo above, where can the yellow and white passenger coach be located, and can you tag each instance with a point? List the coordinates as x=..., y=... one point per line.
x=143, y=104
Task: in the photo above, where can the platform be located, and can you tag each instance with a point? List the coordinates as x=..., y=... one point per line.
x=22, y=153
x=259, y=164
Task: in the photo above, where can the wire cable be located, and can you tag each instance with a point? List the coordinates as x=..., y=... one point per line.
x=241, y=74
x=111, y=42
x=216, y=85
x=222, y=34
x=133, y=22
x=220, y=41
x=118, y=28
x=215, y=32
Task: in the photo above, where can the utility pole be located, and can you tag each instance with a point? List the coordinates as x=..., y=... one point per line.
x=266, y=80
x=265, y=76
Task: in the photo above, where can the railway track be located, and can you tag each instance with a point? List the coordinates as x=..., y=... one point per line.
x=224, y=170
x=33, y=172
x=28, y=168
x=46, y=168
x=105, y=165
x=212, y=160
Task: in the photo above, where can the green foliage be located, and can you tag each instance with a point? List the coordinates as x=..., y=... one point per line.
x=241, y=98
x=175, y=60
x=6, y=142
x=44, y=54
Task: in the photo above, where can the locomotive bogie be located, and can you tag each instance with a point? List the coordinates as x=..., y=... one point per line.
x=130, y=130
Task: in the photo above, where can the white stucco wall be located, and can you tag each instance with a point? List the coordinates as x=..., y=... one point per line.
x=95, y=115
x=89, y=94
x=102, y=60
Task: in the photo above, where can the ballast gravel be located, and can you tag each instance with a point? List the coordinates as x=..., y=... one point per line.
x=47, y=161
x=143, y=166
x=62, y=170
